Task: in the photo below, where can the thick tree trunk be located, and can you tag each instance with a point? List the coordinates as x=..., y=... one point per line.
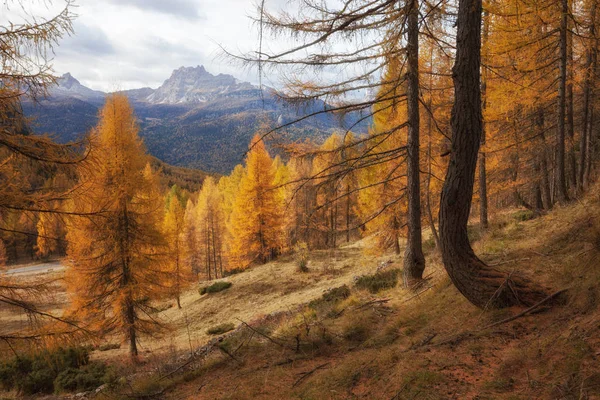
x=483, y=200
x=561, y=183
x=481, y=284
x=414, y=261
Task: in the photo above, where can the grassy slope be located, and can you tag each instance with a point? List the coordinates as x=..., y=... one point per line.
x=434, y=346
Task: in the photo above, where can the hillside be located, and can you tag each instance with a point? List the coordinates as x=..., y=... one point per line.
x=194, y=119
x=395, y=344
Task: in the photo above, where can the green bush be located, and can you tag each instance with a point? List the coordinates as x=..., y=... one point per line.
x=378, y=281
x=337, y=294
x=37, y=373
x=221, y=328
x=83, y=379
x=215, y=287
x=524, y=215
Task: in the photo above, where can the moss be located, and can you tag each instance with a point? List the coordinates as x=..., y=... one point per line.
x=216, y=287
x=220, y=329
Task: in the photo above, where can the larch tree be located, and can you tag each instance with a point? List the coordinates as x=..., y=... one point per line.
x=117, y=250
x=256, y=235
x=26, y=70
x=210, y=227
x=173, y=227
x=414, y=260
x=482, y=285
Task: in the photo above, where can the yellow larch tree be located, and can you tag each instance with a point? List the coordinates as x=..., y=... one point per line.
x=210, y=226
x=255, y=227
x=173, y=227
x=116, y=249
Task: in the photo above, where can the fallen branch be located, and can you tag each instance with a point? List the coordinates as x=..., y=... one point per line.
x=368, y=303
x=526, y=311
x=269, y=338
x=309, y=373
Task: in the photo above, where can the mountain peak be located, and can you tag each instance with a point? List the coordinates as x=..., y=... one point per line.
x=68, y=86
x=196, y=85
x=67, y=81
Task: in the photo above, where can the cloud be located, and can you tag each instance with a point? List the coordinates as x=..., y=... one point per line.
x=180, y=8
x=89, y=40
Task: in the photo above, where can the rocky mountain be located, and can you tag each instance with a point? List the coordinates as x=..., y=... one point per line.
x=195, y=85
x=194, y=119
x=70, y=87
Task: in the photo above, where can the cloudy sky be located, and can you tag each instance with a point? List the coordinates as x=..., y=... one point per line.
x=124, y=44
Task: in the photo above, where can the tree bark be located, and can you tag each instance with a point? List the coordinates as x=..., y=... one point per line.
x=545, y=180
x=572, y=168
x=483, y=200
x=482, y=285
x=414, y=261
x=561, y=189
x=588, y=94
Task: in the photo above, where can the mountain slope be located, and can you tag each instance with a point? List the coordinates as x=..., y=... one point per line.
x=194, y=119
x=395, y=344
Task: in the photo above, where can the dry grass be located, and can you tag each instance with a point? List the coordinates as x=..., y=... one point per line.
x=395, y=345
x=433, y=346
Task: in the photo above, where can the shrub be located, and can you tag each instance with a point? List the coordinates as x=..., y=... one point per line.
x=233, y=271
x=221, y=328
x=378, y=281
x=38, y=373
x=82, y=379
x=301, y=255
x=524, y=215
x=356, y=329
x=216, y=287
x=337, y=294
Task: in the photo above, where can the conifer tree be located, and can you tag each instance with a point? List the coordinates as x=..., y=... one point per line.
x=116, y=248
x=210, y=229
x=173, y=227
x=255, y=229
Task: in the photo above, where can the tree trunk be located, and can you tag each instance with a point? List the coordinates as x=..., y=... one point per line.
x=560, y=145
x=482, y=285
x=396, y=223
x=434, y=232
x=414, y=261
x=570, y=118
x=483, y=200
x=545, y=180
x=588, y=101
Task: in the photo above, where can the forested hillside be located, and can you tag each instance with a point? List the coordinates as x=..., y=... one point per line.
x=194, y=119
x=450, y=250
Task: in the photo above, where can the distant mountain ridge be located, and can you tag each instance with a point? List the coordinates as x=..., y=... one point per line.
x=194, y=119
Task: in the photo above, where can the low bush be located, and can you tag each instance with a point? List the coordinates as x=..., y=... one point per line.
x=215, y=287
x=221, y=328
x=378, y=281
x=356, y=329
x=83, y=379
x=40, y=372
x=524, y=215
x=337, y=294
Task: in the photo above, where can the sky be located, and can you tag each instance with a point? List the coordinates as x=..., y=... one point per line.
x=125, y=44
